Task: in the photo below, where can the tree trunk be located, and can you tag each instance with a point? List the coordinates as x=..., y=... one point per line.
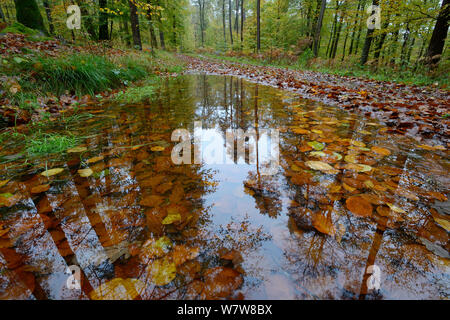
x=242, y=23
x=380, y=42
x=87, y=20
x=437, y=42
x=2, y=15
x=368, y=42
x=236, y=22
x=153, y=41
x=230, y=12
x=319, y=28
x=345, y=43
x=48, y=12
x=224, y=22
x=103, y=33
x=336, y=40
x=354, y=27
x=258, y=25
x=134, y=18
x=28, y=14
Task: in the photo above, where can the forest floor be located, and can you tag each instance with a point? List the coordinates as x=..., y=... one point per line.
x=420, y=112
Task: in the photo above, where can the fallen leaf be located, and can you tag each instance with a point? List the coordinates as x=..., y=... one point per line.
x=316, y=145
x=151, y=201
x=118, y=289
x=157, y=149
x=162, y=271
x=322, y=166
x=324, y=225
x=300, y=131
x=52, y=172
x=4, y=183
x=395, y=208
x=171, y=218
x=359, y=206
x=382, y=151
x=443, y=223
x=84, y=173
x=181, y=254
x=77, y=150
x=95, y=159
x=40, y=189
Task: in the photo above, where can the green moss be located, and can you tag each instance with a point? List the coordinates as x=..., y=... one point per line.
x=19, y=28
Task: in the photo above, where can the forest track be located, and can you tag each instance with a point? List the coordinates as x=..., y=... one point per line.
x=420, y=112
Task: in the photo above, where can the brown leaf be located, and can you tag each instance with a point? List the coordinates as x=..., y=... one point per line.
x=359, y=206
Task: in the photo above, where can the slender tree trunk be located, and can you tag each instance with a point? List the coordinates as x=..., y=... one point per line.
x=368, y=42
x=437, y=42
x=230, y=13
x=336, y=40
x=330, y=40
x=380, y=42
x=354, y=27
x=103, y=33
x=48, y=12
x=393, y=47
x=242, y=23
x=88, y=22
x=224, y=22
x=162, y=40
x=134, y=18
x=404, y=45
x=28, y=14
x=345, y=43
x=153, y=41
x=236, y=22
x=127, y=32
x=319, y=28
x=258, y=25
x=2, y=15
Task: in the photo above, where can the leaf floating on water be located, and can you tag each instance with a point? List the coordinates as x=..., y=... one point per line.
x=359, y=206
x=431, y=148
x=358, y=143
x=324, y=225
x=316, y=145
x=118, y=289
x=40, y=189
x=84, y=173
x=162, y=271
x=319, y=154
x=351, y=158
x=77, y=150
x=296, y=168
x=182, y=254
x=52, y=172
x=381, y=151
x=358, y=167
x=300, y=131
x=172, y=218
x=395, y=208
x=8, y=200
x=158, y=149
x=151, y=201
x=155, y=249
x=95, y=160
x=322, y=166
x=4, y=183
x=443, y=223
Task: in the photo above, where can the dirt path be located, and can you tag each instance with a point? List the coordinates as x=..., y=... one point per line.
x=419, y=112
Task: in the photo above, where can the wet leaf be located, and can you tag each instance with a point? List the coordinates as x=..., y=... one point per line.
x=443, y=223
x=324, y=225
x=84, y=173
x=358, y=143
x=118, y=289
x=155, y=249
x=381, y=151
x=8, y=200
x=359, y=206
x=300, y=131
x=221, y=282
x=4, y=183
x=157, y=149
x=436, y=249
x=395, y=208
x=77, y=150
x=321, y=166
x=40, y=189
x=316, y=145
x=181, y=254
x=151, y=201
x=162, y=271
x=52, y=172
x=95, y=159
x=171, y=218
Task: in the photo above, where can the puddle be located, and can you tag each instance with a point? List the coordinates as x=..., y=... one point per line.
x=141, y=227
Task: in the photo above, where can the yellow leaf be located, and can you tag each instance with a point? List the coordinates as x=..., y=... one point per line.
x=321, y=166
x=395, y=208
x=443, y=223
x=77, y=150
x=358, y=143
x=162, y=271
x=300, y=131
x=118, y=289
x=95, y=159
x=52, y=172
x=157, y=149
x=171, y=218
x=4, y=182
x=84, y=173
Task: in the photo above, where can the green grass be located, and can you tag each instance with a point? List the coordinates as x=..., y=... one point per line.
x=138, y=93
x=45, y=144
